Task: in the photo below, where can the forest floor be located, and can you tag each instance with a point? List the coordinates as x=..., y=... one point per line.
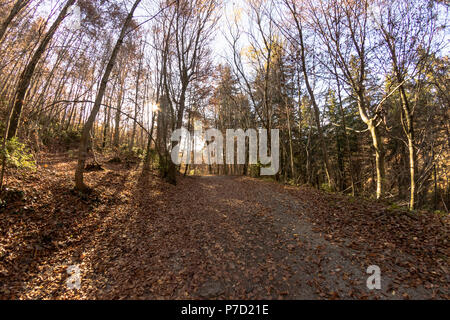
x=210, y=237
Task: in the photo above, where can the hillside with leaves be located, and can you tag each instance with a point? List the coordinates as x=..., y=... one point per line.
x=138, y=237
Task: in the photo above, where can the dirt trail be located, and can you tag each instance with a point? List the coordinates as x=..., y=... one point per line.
x=206, y=238
x=266, y=234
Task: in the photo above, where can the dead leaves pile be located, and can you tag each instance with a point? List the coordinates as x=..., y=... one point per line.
x=412, y=247
x=137, y=237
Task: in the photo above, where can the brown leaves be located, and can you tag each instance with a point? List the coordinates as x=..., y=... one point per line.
x=209, y=237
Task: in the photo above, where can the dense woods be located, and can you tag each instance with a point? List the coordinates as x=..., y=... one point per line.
x=359, y=89
x=91, y=92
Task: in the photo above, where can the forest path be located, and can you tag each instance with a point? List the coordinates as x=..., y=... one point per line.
x=254, y=240
x=208, y=237
x=229, y=238
x=260, y=245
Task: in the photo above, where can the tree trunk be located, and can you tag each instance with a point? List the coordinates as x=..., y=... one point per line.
x=18, y=6
x=146, y=166
x=409, y=131
x=27, y=73
x=106, y=126
x=116, y=142
x=82, y=155
x=136, y=104
x=347, y=141
x=379, y=159
x=314, y=102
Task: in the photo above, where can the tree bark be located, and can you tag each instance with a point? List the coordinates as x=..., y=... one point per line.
x=18, y=6
x=136, y=104
x=379, y=161
x=82, y=154
x=27, y=74
x=409, y=131
x=121, y=97
x=312, y=97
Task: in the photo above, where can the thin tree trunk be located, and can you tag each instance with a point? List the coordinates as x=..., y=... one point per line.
x=347, y=141
x=117, y=117
x=313, y=99
x=106, y=125
x=82, y=155
x=18, y=6
x=409, y=131
x=27, y=74
x=146, y=166
x=379, y=159
x=136, y=103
